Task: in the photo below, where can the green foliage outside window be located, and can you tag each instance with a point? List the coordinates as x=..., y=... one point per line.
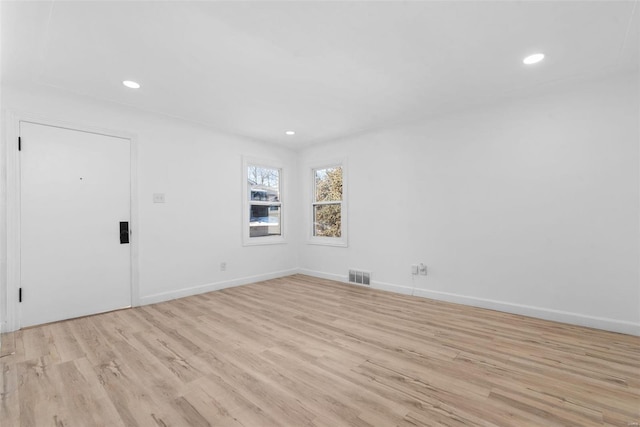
x=328, y=216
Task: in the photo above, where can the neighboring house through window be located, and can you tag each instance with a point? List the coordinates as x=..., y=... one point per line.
x=263, y=207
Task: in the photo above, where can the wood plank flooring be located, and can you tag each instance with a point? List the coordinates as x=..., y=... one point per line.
x=301, y=351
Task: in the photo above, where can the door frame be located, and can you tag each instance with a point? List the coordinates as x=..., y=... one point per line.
x=13, y=214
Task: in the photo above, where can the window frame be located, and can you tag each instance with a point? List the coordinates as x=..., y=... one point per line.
x=247, y=240
x=341, y=241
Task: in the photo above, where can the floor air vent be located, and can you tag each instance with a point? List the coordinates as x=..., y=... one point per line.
x=360, y=277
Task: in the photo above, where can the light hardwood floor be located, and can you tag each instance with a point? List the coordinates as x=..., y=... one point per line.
x=300, y=351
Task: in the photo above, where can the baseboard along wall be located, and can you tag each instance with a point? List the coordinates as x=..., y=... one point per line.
x=578, y=319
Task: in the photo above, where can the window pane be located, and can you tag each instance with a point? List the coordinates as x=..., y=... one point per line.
x=328, y=184
x=264, y=221
x=327, y=220
x=264, y=184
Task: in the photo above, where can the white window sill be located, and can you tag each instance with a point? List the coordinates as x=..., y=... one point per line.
x=329, y=242
x=257, y=241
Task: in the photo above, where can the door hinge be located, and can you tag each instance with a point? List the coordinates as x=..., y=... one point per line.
x=20, y=295
x=19, y=144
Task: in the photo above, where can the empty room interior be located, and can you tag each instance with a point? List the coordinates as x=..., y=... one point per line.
x=320, y=213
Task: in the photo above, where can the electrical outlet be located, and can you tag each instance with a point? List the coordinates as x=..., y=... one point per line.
x=223, y=266
x=414, y=269
x=158, y=197
x=423, y=269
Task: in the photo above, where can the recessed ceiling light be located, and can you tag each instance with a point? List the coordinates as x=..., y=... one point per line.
x=131, y=84
x=532, y=59
x=290, y=133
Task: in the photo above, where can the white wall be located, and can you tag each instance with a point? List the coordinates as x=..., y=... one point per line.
x=181, y=242
x=3, y=228
x=530, y=206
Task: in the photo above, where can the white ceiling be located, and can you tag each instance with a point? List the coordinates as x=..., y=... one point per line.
x=324, y=69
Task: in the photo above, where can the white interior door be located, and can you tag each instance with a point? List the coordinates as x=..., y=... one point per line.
x=75, y=192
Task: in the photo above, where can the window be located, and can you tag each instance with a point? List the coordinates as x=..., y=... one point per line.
x=328, y=213
x=263, y=204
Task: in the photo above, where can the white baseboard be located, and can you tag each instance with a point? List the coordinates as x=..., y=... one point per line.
x=405, y=290
x=200, y=289
x=323, y=275
x=603, y=323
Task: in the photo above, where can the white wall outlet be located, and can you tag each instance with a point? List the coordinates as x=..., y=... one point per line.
x=414, y=269
x=223, y=266
x=158, y=197
x=423, y=269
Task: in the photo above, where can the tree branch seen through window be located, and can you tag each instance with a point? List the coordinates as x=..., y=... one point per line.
x=327, y=206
